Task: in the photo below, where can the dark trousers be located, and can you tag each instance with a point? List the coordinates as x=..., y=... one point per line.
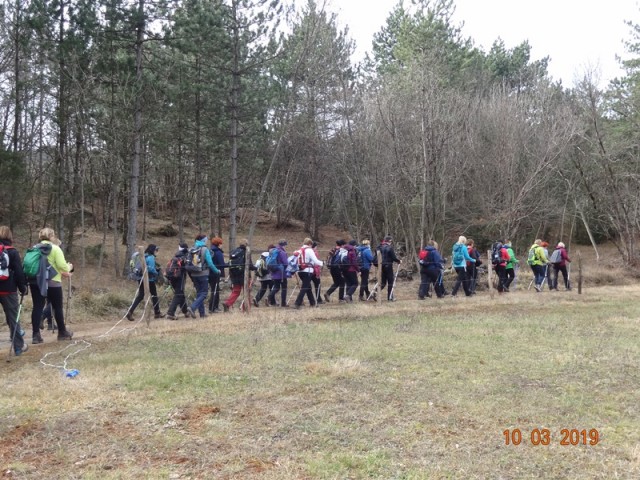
x=463, y=280
x=565, y=276
x=154, y=297
x=278, y=286
x=214, y=286
x=178, y=300
x=11, y=305
x=338, y=283
x=351, y=281
x=427, y=277
x=364, y=284
x=511, y=275
x=501, y=272
x=472, y=273
x=264, y=286
x=387, y=279
x=305, y=289
x=55, y=297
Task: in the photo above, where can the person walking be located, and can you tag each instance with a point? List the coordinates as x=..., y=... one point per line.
x=50, y=289
x=153, y=270
x=389, y=257
x=547, y=272
x=335, y=269
x=472, y=267
x=365, y=253
x=217, y=256
x=537, y=260
x=199, y=273
x=12, y=282
x=264, y=276
x=177, y=276
x=279, y=276
x=350, y=270
x=307, y=260
x=561, y=266
x=500, y=258
x=510, y=269
x=237, y=267
x=460, y=257
x=431, y=266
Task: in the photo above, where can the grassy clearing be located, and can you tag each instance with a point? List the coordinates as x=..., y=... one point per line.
x=414, y=390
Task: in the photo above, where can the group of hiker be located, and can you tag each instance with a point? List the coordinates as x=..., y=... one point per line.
x=349, y=265
x=40, y=272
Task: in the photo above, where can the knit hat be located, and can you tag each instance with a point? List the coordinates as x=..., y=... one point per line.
x=283, y=243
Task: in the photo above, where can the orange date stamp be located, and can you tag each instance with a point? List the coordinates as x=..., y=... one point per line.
x=543, y=436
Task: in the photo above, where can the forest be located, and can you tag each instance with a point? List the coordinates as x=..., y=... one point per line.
x=207, y=112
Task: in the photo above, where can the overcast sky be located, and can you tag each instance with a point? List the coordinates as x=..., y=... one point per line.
x=576, y=34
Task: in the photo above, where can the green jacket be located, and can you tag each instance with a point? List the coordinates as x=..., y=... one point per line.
x=512, y=258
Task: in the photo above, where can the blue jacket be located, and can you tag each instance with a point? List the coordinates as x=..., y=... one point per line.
x=280, y=274
x=152, y=269
x=434, y=259
x=367, y=256
x=218, y=259
x=465, y=256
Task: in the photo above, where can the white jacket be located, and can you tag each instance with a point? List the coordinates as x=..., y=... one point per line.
x=310, y=258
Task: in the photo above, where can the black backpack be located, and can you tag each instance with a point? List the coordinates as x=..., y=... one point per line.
x=175, y=267
x=236, y=262
x=496, y=254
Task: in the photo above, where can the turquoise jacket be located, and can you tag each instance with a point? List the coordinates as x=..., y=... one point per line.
x=465, y=256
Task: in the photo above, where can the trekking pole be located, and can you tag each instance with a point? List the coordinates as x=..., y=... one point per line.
x=373, y=291
x=394, y=282
x=17, y=330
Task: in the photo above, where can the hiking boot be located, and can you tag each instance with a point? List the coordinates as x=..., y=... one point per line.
x=37, y=338
x=171, y=317
x=326, y=298
x=159, y=315
x=225, y=307
x=255, y=303
x=130, y=316
x=297, y=307
x=66, y=335
x=20, y=351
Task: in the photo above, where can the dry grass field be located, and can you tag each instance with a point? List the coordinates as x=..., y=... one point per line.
x=405, y=390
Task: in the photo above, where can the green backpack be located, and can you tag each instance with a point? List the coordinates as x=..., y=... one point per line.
x=31, y=262
x=533, y=255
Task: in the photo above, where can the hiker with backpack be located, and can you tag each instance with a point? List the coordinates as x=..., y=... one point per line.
x=511, y=264
x=547, y=273
x=431, y=266
x=153, y=271
x=335, y=269
x=237, y=267
x=388, y=259
x=46, y=282
x=307, y=260
x=472, y=268
x=537, y=260
x=499, y=259
x=12, y=281
x=217, y=256
x=263, y=275
x=460, y=257
x=558, y=261
x=277, y=264
x=198, y=265
x=350, y=270
x=365, y=260
x=177, y=276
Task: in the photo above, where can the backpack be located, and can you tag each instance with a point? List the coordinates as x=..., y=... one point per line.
x=292, y=264
x=261, y=267
x=4, y=263
x=340, y=257
x=175, y=268
x=556, y=256
x=301, y=258
x=458, y=256
x=194, y=262
x=135, y=266
x=273, y=260
x=533, y=256
x=423, y=257
x=360, y=258
x=496, y=254
x=237, y=258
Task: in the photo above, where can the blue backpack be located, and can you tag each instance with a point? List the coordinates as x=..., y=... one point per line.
x=458, y=256
x=273, y=264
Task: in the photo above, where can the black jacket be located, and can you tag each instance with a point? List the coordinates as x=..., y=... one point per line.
x=16, y=281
